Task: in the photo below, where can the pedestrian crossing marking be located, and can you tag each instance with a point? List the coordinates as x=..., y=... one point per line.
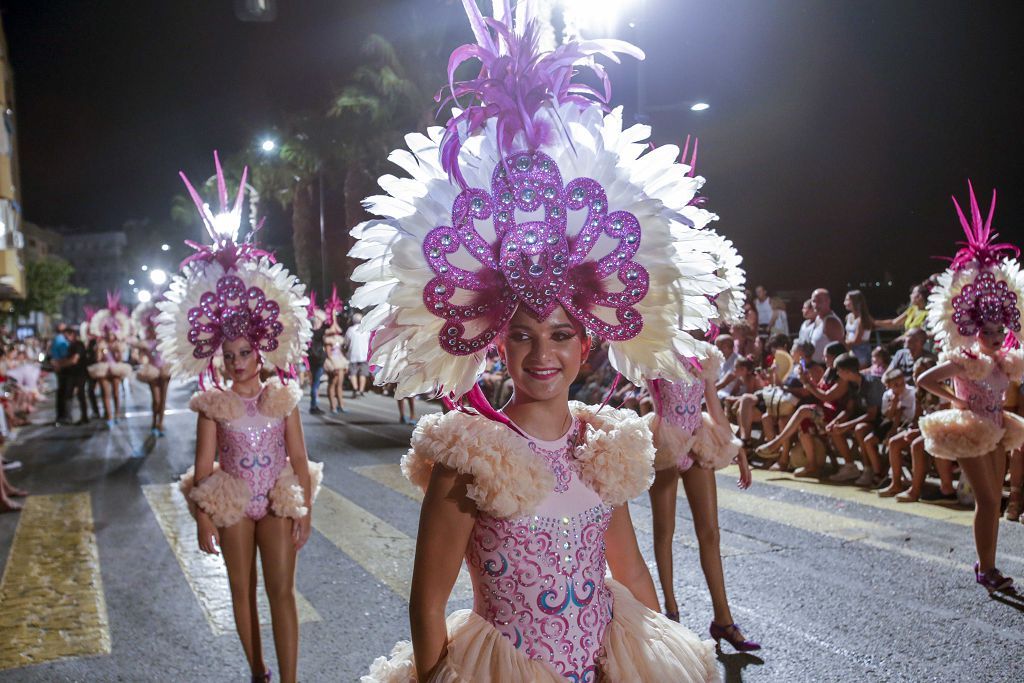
x=51, y=595
x=206, y=574
x=941, y=513
x=382, y=550
x=391, y=476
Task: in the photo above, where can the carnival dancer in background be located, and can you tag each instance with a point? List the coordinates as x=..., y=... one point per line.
x=567, y=225
x=692, y=444
x=975, y=312
x=336, y=365
x=316, y=356
x=252, y=486
x=111, y=328
x=153, y=371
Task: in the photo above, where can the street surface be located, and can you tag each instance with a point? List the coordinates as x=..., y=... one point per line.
x=103, y=580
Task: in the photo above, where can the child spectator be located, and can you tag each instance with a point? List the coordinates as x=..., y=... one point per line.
x=899, y=413
x=880, y=359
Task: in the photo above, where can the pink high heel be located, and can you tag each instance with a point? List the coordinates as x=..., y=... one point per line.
x=264, y=677
x=731, y=635
x=993, y=580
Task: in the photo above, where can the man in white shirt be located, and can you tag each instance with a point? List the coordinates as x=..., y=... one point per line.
x=357, y=346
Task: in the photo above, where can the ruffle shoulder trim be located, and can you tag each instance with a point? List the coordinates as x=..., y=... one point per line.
x=615, y=458
x=977, y=365
x=277, y=400
x=224, y=497
x=715, y=445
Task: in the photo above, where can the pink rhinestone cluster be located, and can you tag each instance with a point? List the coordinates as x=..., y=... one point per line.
x=232, y=312
x=982, y=301
x=534, y=263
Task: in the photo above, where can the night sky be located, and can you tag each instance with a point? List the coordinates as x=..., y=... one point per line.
x=837, y=130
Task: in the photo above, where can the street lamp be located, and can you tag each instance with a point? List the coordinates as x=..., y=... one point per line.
x=158, y=276
x=131, y=282
x=144, y=268
x=268, y=145
x=144, y=296
x=165, y=247
x=700, y=106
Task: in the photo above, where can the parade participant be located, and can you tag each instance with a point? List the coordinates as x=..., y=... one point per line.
x=975, y=312
x=531, y=226
x=252, y=486
x=336, y=364
x=317, y=354
x=691, y=445
x=111, y=328
x=153, y=371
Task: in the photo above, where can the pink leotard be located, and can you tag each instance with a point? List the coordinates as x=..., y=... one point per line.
x=539, y=579
x=252, y=448
x=678, y=405
x=984, y=397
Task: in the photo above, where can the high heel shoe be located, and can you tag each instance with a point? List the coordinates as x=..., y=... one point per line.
x=731, y=634
x=672, y=616
x=264, y=677
x=993, y=580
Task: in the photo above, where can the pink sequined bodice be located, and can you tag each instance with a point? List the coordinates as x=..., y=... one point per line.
x=252, y=448
x=539, y=579
x=984, y=397
x=678, y=404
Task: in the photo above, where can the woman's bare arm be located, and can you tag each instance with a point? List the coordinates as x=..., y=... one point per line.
x=446, y=522
x=934, y=381
x=295, y=445
x=625, y=561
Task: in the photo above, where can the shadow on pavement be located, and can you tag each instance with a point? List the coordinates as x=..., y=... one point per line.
x=735, y=664
x=1010, y=599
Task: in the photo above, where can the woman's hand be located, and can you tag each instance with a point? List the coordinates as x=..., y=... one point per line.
x=209, y=537
x=301, y=528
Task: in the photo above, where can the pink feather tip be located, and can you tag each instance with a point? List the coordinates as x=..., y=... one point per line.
x=980, y=246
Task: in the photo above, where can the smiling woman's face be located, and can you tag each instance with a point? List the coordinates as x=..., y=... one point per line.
x=543, y=357
x=240, y=360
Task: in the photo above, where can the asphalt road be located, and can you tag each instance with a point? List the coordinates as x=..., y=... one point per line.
x=103, y=581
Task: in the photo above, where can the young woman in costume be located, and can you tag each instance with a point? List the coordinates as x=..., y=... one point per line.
x=336, y=365
x=252, y=487
x=529, y=227
x=691, y=445
x=975, y=312
x=153, y=371
x=110, y=327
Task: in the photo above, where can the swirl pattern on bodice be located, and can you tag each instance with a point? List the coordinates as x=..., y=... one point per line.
x=252, y=448
x=539, y=579
x=984, y=397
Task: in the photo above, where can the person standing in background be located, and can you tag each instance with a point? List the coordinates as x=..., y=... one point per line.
x=58, y=356
x=77, y=376
x=357, y=346
x=317, y=357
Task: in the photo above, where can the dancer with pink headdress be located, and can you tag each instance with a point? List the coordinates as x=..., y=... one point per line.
x=336, y=364
x=975, y=312
x=111, y=328
x=692, y=443
x=252, y=486
x=532, y=222
x=153, y=371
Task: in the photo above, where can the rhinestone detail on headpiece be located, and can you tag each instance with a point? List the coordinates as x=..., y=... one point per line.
x=534, y=262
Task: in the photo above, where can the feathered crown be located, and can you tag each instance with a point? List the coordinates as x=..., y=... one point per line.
x=229, y=290
x=111, y=320
x=532, y=196
x=982, y=285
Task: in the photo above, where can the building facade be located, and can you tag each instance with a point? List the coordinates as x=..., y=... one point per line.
x=12, y=270
x=100, y=266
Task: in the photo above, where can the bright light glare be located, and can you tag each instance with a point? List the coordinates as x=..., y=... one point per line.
x=268, y=145
x=145, y=268
x=131, y=282
x=700, y=106
x=226, y=225
x=165, y=247
x=595, y=16
x=144, y=296
x=158, y=276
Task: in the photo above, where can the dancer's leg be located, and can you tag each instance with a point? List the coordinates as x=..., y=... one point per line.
x=105, y=389
x=663, y=513
x=985, y=474
x=154, y=394
x=277, y=552
x=238, y=544
x=702, y=495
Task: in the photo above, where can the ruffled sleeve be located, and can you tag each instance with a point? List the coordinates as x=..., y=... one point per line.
x=508, y=481
x=278, y=399
x=617, y=452
x=217, y=404
x=1012, y=362
x=975, y=364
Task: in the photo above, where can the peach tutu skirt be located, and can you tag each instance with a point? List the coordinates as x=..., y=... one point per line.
x=954, y=434
x=639, y=645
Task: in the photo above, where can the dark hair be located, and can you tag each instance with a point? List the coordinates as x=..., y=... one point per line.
x=860, y=309
x=778, y=341
x=807, y=348
x=883, y=352
x=745, y=363
x=835, y=349
x=848, y=362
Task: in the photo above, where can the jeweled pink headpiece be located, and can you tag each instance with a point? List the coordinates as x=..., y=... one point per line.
x=986, y=299
x=534, y=263
x=228, y=291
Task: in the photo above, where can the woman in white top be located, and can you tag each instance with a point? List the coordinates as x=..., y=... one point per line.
x=859, y=326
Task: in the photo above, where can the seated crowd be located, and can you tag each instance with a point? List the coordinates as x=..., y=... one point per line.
x=833, y=403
